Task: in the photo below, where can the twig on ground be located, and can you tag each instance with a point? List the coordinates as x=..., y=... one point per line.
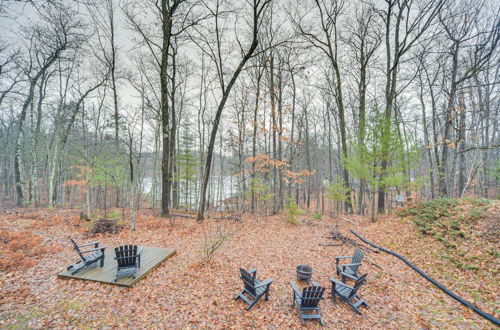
x=346, y=219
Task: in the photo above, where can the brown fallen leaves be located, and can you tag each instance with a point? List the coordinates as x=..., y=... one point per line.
x=19, y=250
x=187, y=292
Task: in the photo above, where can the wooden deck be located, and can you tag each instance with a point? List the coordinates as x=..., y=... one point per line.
x=151, y=257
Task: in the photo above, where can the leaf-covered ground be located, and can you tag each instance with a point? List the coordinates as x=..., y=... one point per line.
x=187, y=292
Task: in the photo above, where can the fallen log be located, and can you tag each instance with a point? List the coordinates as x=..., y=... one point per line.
x=236, y=218
x=182, y=215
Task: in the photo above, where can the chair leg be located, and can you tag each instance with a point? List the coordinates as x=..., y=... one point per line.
x=238, y=295
x=102, y=262
x=361, y=301
x=267, y=293
x=334, y=298
x=252, y=304
x=354, y=308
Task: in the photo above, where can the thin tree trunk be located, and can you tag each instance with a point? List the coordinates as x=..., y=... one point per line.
x=215, y=127
x=462, y=168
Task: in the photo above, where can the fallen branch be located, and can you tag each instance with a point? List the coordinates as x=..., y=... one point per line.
x=230, y=217
x=181, y=215
x=337, y=236
x=348, y=220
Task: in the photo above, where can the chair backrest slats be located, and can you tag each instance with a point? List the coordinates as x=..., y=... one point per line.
x=126, y=255
x=248, y=281
x=77, y=250
x=357, y=258
x=311, y=296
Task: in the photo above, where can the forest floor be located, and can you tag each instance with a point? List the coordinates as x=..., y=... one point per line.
x=186, y=291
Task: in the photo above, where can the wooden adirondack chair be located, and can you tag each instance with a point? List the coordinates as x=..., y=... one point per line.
x=348, y=294
x=253, y=288
x=350, y=270
x=96, y=254
x=128, y=258
x=307, y=301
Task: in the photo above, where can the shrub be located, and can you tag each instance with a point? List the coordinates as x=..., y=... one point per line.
x=317, y=216
x=292, y=211
x=213, y=239
x=114, y=214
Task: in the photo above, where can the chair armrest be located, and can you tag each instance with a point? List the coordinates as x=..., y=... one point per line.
x=89, y=244
x=295, y=289
x=343, y=257
x=348, y=275
x=251, y=271
x=349, y=265
x=341, y=283
x=93, y=250
x=264, y=283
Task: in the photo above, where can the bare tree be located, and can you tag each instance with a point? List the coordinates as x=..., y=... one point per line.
x=258, y=9
x=58, y=33
x=471, y=47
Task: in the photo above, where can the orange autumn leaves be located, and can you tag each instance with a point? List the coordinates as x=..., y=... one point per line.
x=264, y=164
x=19, y=249
x=81, y=177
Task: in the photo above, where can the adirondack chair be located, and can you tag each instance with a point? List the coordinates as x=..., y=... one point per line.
x=350, y=270
x=128, y=258
x=253, y=288
x=307, y=301
x=86, y=259
x=348, y=294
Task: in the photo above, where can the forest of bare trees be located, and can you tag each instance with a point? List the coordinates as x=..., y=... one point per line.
x=245, y=106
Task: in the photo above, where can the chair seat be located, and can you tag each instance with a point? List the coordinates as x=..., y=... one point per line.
x=343, y=291
x=94, y=256
x=258, y=291
x=126, y=270
x=349, y=271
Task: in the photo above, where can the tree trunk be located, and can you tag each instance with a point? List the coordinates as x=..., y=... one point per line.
x=442, y=173
x=462, y=168
x=215, y=127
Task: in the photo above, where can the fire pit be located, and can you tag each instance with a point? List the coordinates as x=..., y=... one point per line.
x=304, y=273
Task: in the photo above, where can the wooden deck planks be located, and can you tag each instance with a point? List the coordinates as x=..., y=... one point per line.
x=151, y=257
